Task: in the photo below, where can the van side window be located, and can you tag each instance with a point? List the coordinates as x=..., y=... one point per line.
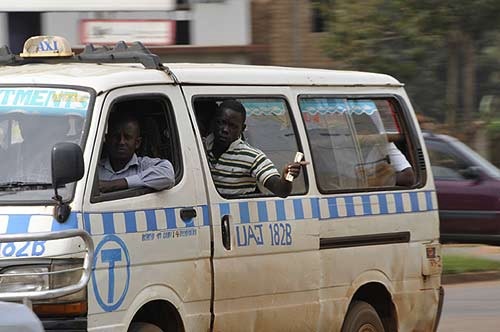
x=268, y=128
x=156, y=163
x=350, y=143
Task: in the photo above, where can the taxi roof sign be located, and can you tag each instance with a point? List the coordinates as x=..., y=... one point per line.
x=55, y=49
x=46, y=46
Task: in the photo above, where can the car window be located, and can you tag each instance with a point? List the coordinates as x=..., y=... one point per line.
x=158, y=140
x=446, y=163
x=476, y=159
x=441, y=172
x=332, y=143
x=350, y=143
x=32, y=121
x=269, y=128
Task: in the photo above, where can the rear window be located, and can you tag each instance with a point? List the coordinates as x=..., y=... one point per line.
x=354, y=141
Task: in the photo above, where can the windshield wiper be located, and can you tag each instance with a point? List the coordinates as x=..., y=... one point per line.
x=22, y=185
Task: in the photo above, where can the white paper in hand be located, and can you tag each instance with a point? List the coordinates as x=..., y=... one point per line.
x=298, y=158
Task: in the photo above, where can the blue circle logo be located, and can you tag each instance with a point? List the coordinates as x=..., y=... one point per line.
x=111, y=252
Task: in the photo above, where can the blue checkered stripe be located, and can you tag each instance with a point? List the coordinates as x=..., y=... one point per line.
x=122, y=222
x=328, y=208
x=248, y=211
x=270, y=210
x=377, y=204
x=33, y=223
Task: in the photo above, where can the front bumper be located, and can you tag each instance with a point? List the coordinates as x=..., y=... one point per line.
x=76, y=324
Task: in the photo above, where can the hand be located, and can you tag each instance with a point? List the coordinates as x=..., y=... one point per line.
x=294, y=168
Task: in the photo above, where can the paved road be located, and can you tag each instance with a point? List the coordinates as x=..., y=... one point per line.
x=471, y=307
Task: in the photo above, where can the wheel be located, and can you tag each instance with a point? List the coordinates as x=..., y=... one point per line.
x=362, y=317
x=143, y=327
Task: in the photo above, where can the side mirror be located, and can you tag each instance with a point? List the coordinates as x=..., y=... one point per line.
x=67, y=166
x=472, y=173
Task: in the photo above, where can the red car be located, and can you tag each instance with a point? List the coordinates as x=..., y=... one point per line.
x=468, y=191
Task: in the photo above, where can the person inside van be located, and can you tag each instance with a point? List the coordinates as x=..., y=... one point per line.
x=237, y=168
x=392, y=169
x=390, y=165
x=205, y=112
x=121, y=168
x=32, y=153
x=404, y=172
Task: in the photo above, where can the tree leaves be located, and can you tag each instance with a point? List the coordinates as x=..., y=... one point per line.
x=410, y=40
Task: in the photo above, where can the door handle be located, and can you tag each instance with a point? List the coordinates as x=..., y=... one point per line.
x=226, y=232
x=187, y=214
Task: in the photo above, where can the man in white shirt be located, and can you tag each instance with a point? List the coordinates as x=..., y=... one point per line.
x=404, y=172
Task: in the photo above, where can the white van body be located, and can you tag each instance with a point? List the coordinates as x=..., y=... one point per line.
x=293, y=264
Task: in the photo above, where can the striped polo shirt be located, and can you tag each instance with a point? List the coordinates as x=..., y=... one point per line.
x=239, y=168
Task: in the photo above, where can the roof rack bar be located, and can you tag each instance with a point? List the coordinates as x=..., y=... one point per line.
x=6, y=56
x=136, y=52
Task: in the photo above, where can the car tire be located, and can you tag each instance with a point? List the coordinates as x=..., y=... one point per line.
x=362, y=317
x=144, y=327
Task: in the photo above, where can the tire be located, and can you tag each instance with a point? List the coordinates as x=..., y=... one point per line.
x=143, y=327
x=362, y=317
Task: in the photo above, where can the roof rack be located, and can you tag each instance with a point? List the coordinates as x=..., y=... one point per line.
x=120, y=53
x=6, y=56
x=136, y=53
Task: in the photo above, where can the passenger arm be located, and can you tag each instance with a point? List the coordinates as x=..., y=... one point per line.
x=405, y=178
x=278, y=185
x=404, y=171
x=112, y=185
x=154, y=173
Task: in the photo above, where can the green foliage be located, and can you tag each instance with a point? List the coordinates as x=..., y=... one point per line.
x=389, y=37
x=410, y=40
x=493, y=128
x=453, y=264
x=377, y=35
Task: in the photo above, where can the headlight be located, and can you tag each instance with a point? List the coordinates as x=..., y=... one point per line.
x=64, y=273
x=59, y=274
x=24, y=278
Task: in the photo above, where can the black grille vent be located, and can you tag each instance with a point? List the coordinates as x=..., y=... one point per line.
x=421, y=160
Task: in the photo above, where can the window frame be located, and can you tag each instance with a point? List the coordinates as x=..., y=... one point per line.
x=404, y=120
x=177, y=162
x=293, y=122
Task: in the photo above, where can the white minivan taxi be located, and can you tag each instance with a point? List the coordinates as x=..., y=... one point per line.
x=350, y=248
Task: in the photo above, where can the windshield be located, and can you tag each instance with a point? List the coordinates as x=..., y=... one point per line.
x=485, y=165
x=32, y=120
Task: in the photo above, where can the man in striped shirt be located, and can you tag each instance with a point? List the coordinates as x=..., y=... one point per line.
x=236, y=166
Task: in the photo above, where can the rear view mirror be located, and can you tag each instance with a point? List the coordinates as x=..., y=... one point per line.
x=67, y=164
